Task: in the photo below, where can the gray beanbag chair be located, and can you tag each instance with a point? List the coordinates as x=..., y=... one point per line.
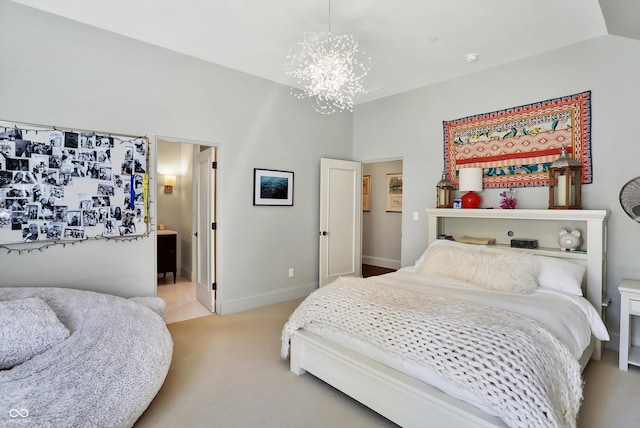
x=103, y=373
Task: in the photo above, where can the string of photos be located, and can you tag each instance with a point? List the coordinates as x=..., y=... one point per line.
x=65, y=187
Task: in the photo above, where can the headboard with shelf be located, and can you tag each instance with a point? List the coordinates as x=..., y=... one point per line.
x=542, y=225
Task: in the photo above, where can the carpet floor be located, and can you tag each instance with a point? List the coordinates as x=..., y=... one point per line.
x=227, y=372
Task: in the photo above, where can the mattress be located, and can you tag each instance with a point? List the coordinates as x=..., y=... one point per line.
x=571, y=319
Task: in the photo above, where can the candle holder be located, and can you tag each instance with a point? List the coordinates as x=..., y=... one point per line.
x=444, y=193
x=565, y=183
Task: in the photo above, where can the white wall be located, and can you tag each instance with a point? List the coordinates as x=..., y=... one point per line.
x=381, y=230
x=413, y=122
x=62, y=73
x=186, y=208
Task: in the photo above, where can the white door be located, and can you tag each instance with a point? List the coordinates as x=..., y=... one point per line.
x=340, y=219
x=205, y=176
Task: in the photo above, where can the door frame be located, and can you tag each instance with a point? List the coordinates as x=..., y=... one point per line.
x=217, y=199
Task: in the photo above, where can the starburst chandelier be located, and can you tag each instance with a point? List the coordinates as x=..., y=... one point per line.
x=329, y=69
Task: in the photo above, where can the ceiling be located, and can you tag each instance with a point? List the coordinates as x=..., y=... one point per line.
x=411, y=43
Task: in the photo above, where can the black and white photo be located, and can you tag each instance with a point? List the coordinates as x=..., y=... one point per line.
x=30, y=233
x=73, y=217
x=57, y=185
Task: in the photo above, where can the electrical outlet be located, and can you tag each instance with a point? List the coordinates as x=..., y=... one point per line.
x=290, y=272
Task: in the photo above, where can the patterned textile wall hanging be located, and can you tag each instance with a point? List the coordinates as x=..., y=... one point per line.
x=515, y=146
x=70, y=185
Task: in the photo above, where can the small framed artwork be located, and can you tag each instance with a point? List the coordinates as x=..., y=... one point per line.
x=394, y=193
x=366, y=192
x=272, y=187
x=457, y=203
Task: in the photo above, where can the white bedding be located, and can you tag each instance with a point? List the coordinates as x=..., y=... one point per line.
x=571, y=319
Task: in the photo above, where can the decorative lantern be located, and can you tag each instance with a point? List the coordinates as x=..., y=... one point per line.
x=565, y=181
x=444, y=190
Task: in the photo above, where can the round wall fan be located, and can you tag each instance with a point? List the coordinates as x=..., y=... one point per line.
x=630, y=198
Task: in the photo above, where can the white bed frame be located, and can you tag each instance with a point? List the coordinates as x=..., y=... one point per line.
x=412, y=403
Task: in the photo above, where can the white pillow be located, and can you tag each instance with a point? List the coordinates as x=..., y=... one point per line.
x=493, y=269
x=28, y=327
x=561, y=275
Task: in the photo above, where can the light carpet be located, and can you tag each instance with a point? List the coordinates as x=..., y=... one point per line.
x=227, y=372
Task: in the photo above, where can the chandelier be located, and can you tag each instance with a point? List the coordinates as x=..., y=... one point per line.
x=329, y=69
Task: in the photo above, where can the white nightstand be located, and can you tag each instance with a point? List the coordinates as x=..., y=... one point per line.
x=629, y=306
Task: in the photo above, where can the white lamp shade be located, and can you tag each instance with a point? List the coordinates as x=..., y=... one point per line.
x=470, y=180
x=169, y=180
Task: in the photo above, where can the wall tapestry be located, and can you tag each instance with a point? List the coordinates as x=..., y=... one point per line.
x=515, y=146
x=70, y=185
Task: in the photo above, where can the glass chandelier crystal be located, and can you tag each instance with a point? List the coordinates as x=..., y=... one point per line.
x=330, y=69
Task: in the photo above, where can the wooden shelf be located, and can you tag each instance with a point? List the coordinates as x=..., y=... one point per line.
x=518, y=214
x=547, y=251
x=634, y=356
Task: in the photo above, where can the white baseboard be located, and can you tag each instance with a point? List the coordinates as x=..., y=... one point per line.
x=382, y=262
x=238, y=305
x=185, y=273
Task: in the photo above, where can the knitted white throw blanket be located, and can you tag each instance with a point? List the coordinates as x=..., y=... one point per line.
x=512, y=363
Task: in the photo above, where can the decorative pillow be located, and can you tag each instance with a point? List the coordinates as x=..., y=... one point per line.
x=493, y=269
x=443, y=242
x=560, y=274
x=28, y=327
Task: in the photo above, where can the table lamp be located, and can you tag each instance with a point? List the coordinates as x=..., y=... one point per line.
x=471, y=182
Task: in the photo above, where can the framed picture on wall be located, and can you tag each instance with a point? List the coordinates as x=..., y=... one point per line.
x=272, y=187
x=394, y=193
x=366, y=192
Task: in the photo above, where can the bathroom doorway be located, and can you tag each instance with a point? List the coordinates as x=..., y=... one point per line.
x=177, y=213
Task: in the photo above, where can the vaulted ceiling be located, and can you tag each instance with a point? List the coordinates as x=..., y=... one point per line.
x=411, y=43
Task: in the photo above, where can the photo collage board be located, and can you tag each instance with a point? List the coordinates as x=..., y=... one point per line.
x=71, y=185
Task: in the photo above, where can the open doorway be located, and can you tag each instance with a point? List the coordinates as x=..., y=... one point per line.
x=381, y=218
x=178, y=219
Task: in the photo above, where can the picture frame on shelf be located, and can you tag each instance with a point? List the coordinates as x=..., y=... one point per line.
x=394, y=193
x=272, y=187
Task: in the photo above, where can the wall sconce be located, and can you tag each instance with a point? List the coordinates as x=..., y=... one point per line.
x=565, y=182
x=471, y=182
x=444, y=193
x=169, y=182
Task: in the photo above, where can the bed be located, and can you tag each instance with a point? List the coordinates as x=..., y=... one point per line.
x=551, y=332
